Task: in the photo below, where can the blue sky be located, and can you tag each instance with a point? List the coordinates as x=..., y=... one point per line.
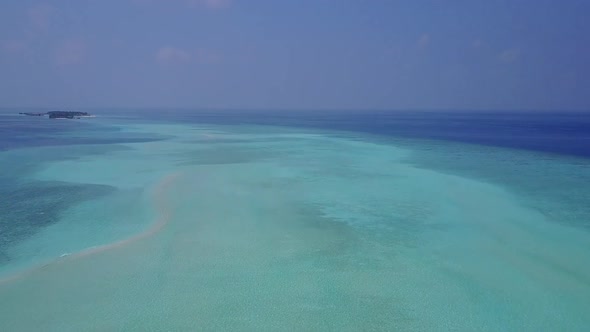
x=296, y=54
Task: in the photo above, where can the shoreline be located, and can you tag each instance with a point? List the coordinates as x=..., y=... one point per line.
x=162, y=218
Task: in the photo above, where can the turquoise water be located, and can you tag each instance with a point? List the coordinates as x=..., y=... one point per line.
x=193, y=226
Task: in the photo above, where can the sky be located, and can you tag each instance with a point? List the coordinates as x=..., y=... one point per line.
x=296, y=54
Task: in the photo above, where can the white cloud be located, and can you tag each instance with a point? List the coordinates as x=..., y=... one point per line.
x=174, y=55
x=210, y=4
x=424, y=41
x=213, y=4
x=40, y=16
x=70, y=52
x=478, y=43
x=509, y=55
x=205, y=56
x=167, y=55
x=14, y=46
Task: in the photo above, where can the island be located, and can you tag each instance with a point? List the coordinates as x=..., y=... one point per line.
x=61, y=114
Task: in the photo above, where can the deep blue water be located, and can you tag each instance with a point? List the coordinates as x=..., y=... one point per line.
x=565, y=133
x=18, y=131
x=558, y=132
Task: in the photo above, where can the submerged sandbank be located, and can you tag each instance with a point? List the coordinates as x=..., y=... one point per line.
x=310, y=232
x=163, y=216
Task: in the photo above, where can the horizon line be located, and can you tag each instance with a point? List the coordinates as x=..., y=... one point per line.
x=268, y=109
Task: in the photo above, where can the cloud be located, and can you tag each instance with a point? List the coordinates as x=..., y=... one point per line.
x=173, y=55
x=209, y=4
x=205, y=56
x=478, y=43
x=14, y=46
x=70, y=52
x=212, y=4
x=510, y=55
x=40, y=16
x=169, y=55
x=424, y=41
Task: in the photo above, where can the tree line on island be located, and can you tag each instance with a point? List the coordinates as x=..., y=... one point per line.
x=59, y=114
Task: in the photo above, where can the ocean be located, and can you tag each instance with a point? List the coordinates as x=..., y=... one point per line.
x=184, y=220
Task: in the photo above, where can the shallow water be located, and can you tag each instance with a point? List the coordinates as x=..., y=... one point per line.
x=259, y=227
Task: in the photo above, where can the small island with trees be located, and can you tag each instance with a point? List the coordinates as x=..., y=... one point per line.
x=61, y=114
